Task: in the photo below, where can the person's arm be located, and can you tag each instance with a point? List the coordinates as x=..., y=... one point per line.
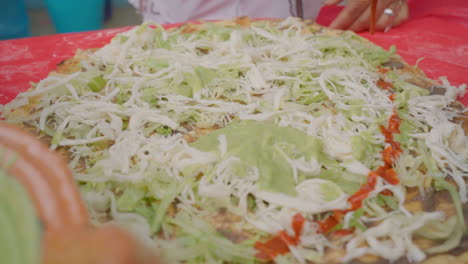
x=356, y=15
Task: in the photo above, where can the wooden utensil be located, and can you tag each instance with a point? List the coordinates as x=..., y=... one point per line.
x=373, y=16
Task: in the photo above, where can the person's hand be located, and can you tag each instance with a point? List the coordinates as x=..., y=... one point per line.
x=356, y=15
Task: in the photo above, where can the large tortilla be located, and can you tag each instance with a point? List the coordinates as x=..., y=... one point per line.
x=224, y=222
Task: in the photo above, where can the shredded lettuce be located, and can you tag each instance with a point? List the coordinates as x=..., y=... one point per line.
x=129, y=200
x=173, y=191
x=199, y=242
x=384, y=200
x=365, y=147
x=97, y=84
x=442, y=184
x=355, y=222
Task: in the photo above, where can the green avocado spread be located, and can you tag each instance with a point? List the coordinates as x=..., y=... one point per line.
x=266, y=146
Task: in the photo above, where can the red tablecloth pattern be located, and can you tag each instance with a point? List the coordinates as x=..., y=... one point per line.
x=436, y=31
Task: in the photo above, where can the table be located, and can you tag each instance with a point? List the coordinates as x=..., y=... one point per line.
x=438, y=33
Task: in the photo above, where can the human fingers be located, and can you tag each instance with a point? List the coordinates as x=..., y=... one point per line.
x=363, y=22
x=400, y=14
x=349, y=14
x=332, y=2
x=47, y=178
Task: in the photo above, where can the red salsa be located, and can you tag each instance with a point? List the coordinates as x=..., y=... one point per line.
x=279, y=244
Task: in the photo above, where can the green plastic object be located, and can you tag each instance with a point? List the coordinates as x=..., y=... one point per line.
x=76, y=16
x=20, y=230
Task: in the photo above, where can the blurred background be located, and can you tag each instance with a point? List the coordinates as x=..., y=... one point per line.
x=28, y=18
x=25, y=18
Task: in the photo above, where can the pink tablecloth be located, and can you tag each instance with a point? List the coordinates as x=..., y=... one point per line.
x=438, y=32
